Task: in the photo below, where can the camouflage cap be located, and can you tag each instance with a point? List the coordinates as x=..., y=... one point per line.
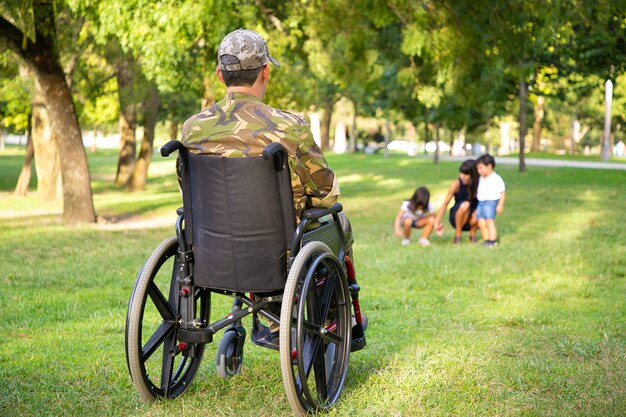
x=248, y=47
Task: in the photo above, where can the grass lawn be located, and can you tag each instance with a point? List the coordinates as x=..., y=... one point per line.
x=535, y=326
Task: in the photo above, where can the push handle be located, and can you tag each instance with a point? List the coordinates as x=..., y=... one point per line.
x=185, y=185
x=277, y=152
x=171, y=146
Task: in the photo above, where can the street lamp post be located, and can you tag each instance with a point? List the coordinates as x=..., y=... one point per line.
x=608, y=98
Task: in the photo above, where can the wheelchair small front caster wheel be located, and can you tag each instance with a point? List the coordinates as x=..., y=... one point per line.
x=230, y=354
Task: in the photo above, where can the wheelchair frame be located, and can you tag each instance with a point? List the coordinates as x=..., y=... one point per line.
x=316, y=332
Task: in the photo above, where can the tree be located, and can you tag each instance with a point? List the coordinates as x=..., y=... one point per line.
x=522, y=37
x=166, y=51
x=150, y=110
x=341, y=53
x=41, y=53
x=128, y=78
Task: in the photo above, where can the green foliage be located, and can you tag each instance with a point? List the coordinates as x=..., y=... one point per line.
x=456, y=64
x=15, y=92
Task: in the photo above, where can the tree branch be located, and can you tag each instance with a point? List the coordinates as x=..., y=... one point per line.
x=269, y=15
x=12, y=38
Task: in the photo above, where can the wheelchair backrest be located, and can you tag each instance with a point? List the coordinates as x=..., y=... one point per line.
x=241, y=215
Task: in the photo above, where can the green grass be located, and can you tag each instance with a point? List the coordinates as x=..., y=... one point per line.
x=535, y=326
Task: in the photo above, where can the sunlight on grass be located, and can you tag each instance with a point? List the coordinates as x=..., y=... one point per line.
x=353, y=178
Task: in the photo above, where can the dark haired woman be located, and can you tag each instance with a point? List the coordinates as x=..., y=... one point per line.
x=462, y=214
x=415, y=213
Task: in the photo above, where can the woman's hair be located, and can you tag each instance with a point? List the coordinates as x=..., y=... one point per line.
x=468, y=167
x=420, y=199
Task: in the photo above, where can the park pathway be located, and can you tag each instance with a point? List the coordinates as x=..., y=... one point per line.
x=540, y=162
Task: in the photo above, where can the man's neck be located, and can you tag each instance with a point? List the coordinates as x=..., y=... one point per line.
x=247, y=90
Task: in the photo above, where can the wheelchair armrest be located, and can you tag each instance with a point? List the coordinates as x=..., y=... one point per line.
x=277, y=152
x=317, y=212
x=170, y=147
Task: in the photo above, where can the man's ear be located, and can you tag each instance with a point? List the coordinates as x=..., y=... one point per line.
x=266, y=72
x=220, y=76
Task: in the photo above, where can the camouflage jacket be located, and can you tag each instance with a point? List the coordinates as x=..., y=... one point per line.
x=242, y=125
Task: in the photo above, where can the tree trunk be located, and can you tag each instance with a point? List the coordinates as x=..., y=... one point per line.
x=150, y=106
x=173, y=130
x=353, y=131
x=539, y=113
x=436, y=143
x=46, y=150
x=523, y=93
x=127, y=121
x=575, y=136
x=387, y=136
x=94, y=144
x=77, y=198
x=21, y=188
x=325, y=130
x=43, y=57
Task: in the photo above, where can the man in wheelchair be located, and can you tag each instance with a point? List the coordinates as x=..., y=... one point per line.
x=259, y=217
x=241, y=125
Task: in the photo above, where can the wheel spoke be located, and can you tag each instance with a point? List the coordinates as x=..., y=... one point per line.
x=313, y=329
x=180, y=368
x=325, y=298
x=319, y=365
x=168, y=364
x=164, y=330
x=165, y=309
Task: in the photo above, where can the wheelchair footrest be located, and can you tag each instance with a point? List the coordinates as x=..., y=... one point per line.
x=357, y=344
x=358, y=338
x=261, y=336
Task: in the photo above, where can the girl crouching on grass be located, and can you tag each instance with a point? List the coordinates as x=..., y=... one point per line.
x=415, y=213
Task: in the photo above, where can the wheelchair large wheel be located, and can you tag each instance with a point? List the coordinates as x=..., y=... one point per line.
x=157, y=366
x=315, y=330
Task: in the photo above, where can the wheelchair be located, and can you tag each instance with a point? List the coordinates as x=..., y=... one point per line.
x=236, y=237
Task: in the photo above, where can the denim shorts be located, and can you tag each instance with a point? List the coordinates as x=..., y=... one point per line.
x=486, y=209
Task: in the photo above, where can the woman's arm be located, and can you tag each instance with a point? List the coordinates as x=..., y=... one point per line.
x=453, y=189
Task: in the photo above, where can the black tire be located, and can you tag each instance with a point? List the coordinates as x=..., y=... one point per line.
x=315, y=330
x=151, y=329
x=229, y=354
